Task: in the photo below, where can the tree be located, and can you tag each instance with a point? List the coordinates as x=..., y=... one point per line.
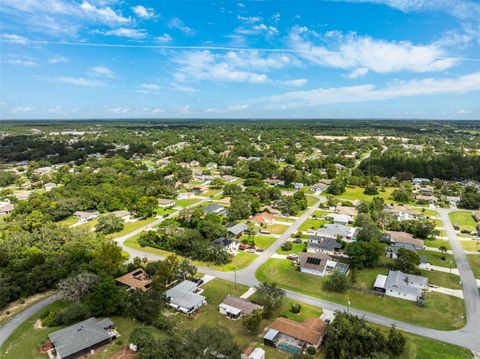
x=368, y=228
x=443, y=249
x=396, y=341
x=287, y=246
x=168, y=269
x=371, y=190
x=270, y=297
x=109, y=224
x=211, y=343
x=144, y=306
x=470, y=198
x=403, y=195
x=331, y=170
x=336, y=282
x=186, y=269
x=146, y=206
x=336, y=187
x=407, y=261
x=108, y=258
x=105, y=298
x=77, y=287
x=252, y=322
x=364, y=254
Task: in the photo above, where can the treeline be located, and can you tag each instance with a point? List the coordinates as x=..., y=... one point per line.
x=443, y=166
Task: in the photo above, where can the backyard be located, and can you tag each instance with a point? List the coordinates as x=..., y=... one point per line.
x=441, y=312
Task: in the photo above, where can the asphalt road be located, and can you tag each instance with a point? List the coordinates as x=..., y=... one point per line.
x=7, y=329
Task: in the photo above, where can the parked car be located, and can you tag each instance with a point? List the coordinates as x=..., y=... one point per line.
x=465, y=231
x=456, y=227
x=250, y=250
x=165, y=215
x=298, y=240
x=292, y=257
x=263, y=231
x=199, y=281
x=260, y=250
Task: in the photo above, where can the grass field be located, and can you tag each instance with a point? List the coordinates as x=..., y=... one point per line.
x=68, y=221
x=353, y=193
x=321, y=213
x=474, y=261
x=161, y=211
x=129, y=227
x=471, y=245
x=435, y=258
x=312, y=223
x=436, y=243
x=296, y=248
x=264, y=241
x=90, y=224
x=25, y=342
x=442, y=312
x=464, y=219
x=186, y=202
x=311, y=200
x=284, y=219
x=276, y=228
x=428, y=212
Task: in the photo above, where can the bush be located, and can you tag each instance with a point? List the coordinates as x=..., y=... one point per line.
x=336, y=282
x=287, y=246
x=311, y=350
x=72, y=314
x=48, y=319
x=296, y=308
x=370, y=190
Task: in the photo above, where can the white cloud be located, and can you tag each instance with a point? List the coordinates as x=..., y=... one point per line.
x=118, y=110
x=150, y=87
x=105, y=13
x=22, y=109
x=360, y=72
x=257, y=29
x=295, y=82
x=16, y=39
x=464, y=112
x=125, y=32
x=351, y=51
x=142, y=11
x=28, y=63
x=102, y=71
x=369, y=92
x=164, y=38
x=157, y=110
x=176, y=23
x=56, y=59
x=183, y=88
x=77, y=81
x=249, y=19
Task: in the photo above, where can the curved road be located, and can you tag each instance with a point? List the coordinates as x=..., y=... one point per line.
x=468, y=336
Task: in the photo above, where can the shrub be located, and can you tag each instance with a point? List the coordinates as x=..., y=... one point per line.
x=336, y=282
x=296, y=308
x=370, y=190
x=48, y=318
x=311, y=350
x=287, y=246
x=72, y=314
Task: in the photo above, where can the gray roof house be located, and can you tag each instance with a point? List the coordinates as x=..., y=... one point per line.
x=228, y=245
x=340, y=218
x=184, y=297
x=214, y=208
x=81, y=338
x=337, y=230
x=322, y=244
x=234, y=307
x=401, y=285
x=237, y=229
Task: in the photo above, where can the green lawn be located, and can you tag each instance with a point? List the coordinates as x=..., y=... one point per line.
x=436, y=243
x=427, y=212
x=442, y=279
x=312, y=223
x=25, y=341
x=474, y=260
x=442, y=311
x=321, y=213
x=129, y=227
x=90, y=224
x=276, y=228
x=311, y=200
x=297, y=248
x=471, y=245
x=435, y=258
x=353, y=193
x=161, y=211
x=264, y=241
x=464, y=219
x=68, y=221
x=284, y=219
x=186, y=202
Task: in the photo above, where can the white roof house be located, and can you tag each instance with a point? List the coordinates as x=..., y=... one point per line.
x=185, y=298
x=401, y=285
x=340, y=218
x=337, y=230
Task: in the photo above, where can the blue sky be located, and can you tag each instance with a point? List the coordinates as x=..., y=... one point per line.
x=248, y=59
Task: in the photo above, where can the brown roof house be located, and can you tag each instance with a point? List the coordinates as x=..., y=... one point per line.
x=316, y=263
x=136, y=279
x=263, y=218
x=401, y=240
x=234, y=307
x=294, y=337
x=166, y=202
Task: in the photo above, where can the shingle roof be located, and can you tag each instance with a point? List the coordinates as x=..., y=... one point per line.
x=325, y=243
x=136, y=279
x=310, y=331
x=182, y=295
x=222, y=241
x=212, y=208
x=334, y=230
x=238, y=228
x=80, y=336
x=316, y=261
x=245, y=306
x=404, y=237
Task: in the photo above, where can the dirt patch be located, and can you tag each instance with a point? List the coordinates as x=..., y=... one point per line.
x=20, y=305
x=124, y=353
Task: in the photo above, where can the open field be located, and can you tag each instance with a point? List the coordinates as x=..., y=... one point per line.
x=129, y=227
x=186, y=202
x=68, y=221
x=296, y=248
x=276, y=228
x=464, y=219
x=312, y=223
x=442, y=311
x=474, y=260
x=471, y=245
x=436, y=243
x=356, y=193
x=435, y=258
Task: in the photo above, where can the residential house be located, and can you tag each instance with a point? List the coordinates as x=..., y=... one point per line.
x=185, y=297
x=136, y=279
x=49, y=186
x=237, y=229
x=199, y=189
x=185, y=195
x=297, y=185
x=401, y=285
x=125, y=215
x=253, y=353
x=228, y=245
x=6, y=207
x=328, y=245
x=423, y=262
x=287, y=193
x=420, y=181
x=225, y=201
x=166, y=202
x=211, y=165
x=42, y=171
x=194, y=163
x=403, y=213
x=81, y=338
x=184, y=164
x=228, y=178
x=214, y=208
x=234, y=307
x=476, y=215
x=22, y=195
x=263, y=218
x=84, y=216
x=332, y=230
x=270, y=210
x=319, y=187
x=349, y=211
x=401, y=240
x=342, y=219
x=316, y=263
x=293, y=337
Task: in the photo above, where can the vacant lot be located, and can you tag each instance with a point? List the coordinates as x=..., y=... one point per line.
x=312, y=223
x=442, y=311
x=129, y=227
x=276, y=228
x=439, y=259
x=474, y=261
x=471, y=245
x=353, y=193
x=186, y=202
x=464, y=219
